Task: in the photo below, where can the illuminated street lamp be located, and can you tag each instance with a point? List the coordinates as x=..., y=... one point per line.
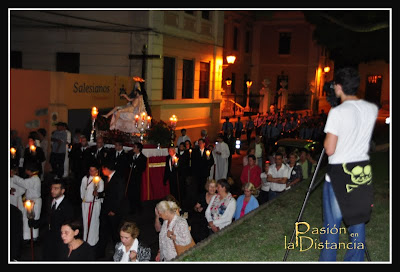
x=230, y=59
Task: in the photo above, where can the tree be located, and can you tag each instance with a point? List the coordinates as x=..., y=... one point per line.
x=352, y=36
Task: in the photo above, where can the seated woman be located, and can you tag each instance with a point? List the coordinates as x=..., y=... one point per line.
x=222, y=207
x=197, y=218
x=123, y=116
x=246, y=202
x=74, y=249
x=130, y=249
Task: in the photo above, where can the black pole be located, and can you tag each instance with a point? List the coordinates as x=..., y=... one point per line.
x=144, y=62
x=310, y=188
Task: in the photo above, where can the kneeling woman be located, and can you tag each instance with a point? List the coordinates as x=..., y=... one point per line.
x=246, y=202
x=130, y=249
x=222, y=207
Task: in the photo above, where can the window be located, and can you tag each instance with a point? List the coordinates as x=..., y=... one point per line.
x=284, y=43
x=235, y=38
x=205, y=14
x=187, y=79
x=169, y=78
x=68, y=62
x=248, y=41
x=16, y=59
x=204, y=79
x=233, y=83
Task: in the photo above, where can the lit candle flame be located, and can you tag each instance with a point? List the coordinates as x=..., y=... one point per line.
x=136, y=117
x=96, y=180
x=28, y=204
x=208, y=153
x=190, y=151
x=13, y=151
x=32, y=148
x=95, y=112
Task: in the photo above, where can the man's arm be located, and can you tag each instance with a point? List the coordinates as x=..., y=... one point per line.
x=330, y=143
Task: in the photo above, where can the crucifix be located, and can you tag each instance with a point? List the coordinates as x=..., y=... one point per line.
x=144, y=57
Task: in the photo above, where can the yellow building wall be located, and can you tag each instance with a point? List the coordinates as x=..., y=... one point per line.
x=43, y=98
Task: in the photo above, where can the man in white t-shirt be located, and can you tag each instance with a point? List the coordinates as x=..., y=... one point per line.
x=347, y=193
x=277, y=176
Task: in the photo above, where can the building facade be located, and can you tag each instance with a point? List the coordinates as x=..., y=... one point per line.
x=103, y=47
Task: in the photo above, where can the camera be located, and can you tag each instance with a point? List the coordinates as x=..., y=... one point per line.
x=329, y=89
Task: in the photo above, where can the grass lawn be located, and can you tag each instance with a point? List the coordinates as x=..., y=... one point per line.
x=260, y=236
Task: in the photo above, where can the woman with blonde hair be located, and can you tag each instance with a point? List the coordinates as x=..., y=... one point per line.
x=130, y=249
x=197, y=218
x=246, y=202
x=175, y=230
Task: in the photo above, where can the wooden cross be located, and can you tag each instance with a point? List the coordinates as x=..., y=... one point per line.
x=144, y=57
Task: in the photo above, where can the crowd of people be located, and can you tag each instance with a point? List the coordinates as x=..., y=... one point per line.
x=106, y=183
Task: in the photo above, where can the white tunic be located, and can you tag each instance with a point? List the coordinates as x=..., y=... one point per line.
x=16, y=198
x=88, y=206
x=32, y=188
x=221, y=161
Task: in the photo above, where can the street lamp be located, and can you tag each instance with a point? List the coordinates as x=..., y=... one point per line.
x=230, y=59
x=248, y=83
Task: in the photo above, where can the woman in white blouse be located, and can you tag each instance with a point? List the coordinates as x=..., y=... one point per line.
x=222, y=207
x=130, y=249
x=175, y=229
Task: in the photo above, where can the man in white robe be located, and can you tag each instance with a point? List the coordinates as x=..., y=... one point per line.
x=91, y=209
x=32, y=187
x=221, y=158
x=16, y=190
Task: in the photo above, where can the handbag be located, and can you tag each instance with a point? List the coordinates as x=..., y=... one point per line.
x=180, y=249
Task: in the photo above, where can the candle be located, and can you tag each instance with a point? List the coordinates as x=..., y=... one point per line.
x=143, y=116
x=208, y=153
x=96, y=181
x=137, y=117
x=13, y=151
x=33, y=149
x=29, y=208
x=148, y=122
x=190, y=152
x=175, y=160
x=94, y=112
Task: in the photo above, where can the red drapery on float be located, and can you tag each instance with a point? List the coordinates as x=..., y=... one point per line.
x=152, y=186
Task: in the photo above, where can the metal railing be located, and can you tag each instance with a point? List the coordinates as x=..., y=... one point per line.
x=233, y=104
